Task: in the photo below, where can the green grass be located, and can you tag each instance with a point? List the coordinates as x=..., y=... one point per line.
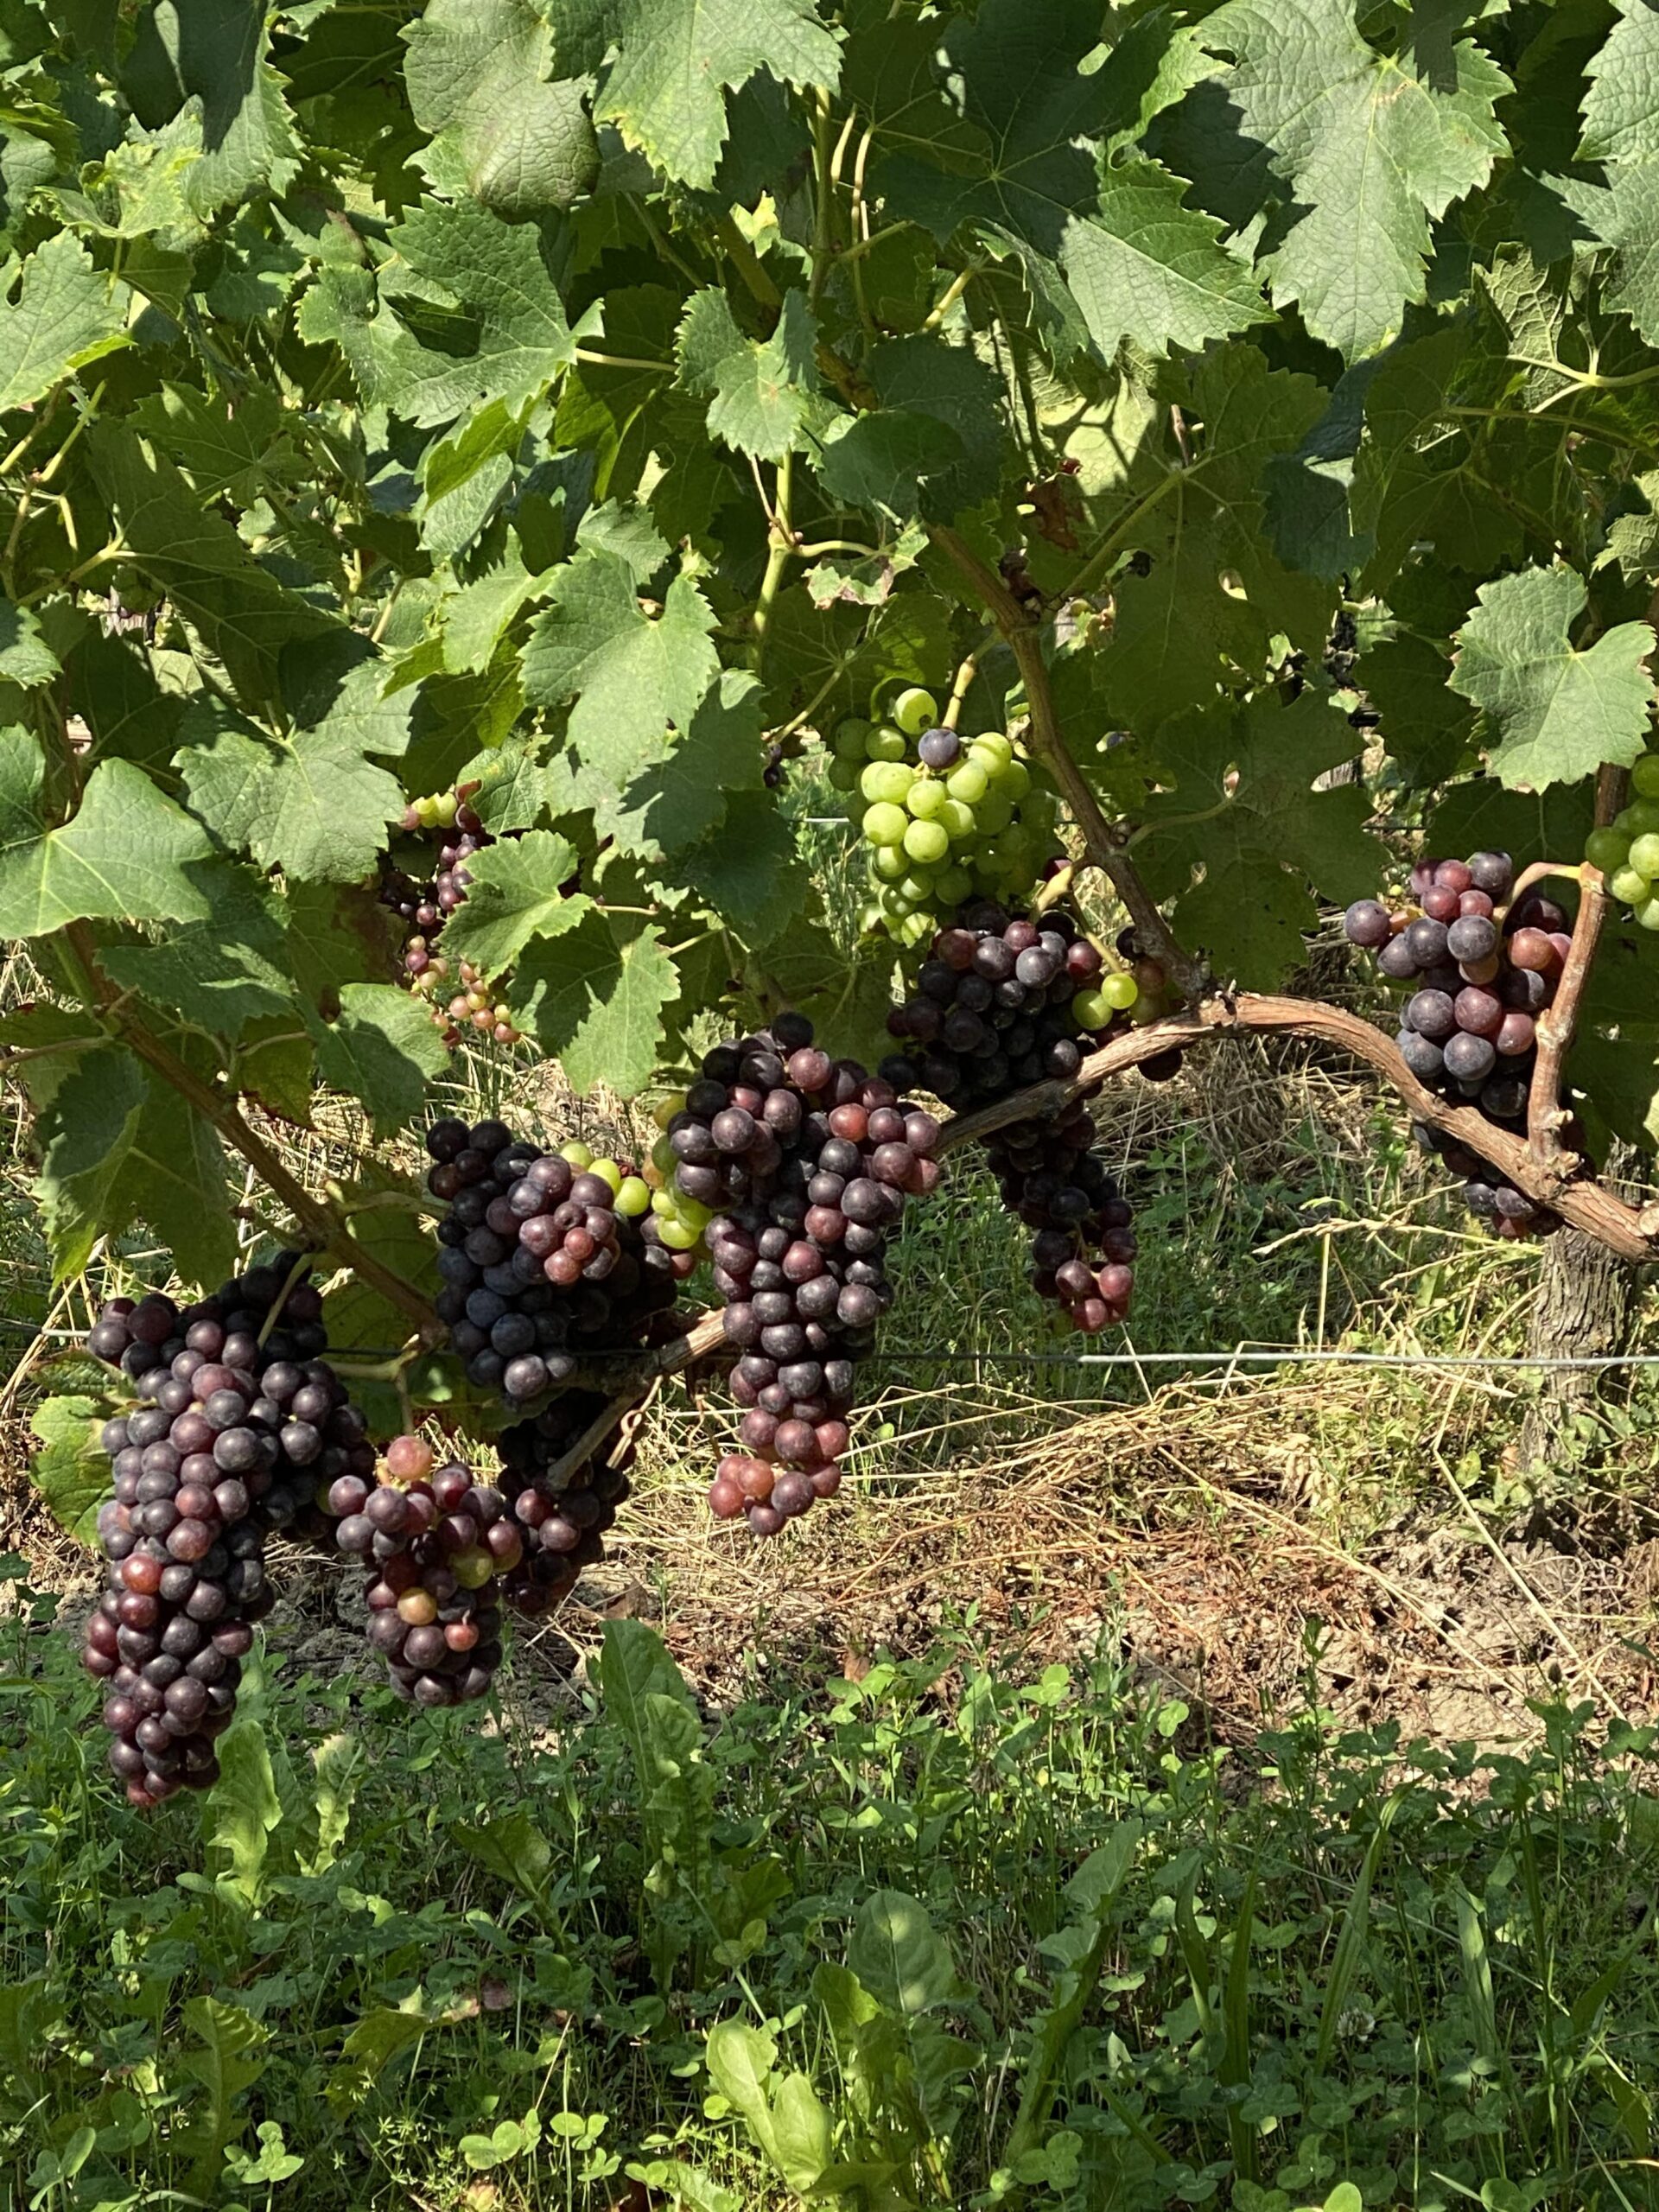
x=396, y=1957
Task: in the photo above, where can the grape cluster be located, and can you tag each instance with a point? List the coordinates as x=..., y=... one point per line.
x=1003, y=1002
x=425, y=903
x=238, y=1424
x=435, y=1543
x=546, y=1255
x=561, y=1511
x=1627, y=850
x=804, y=1163
x=944, y=818
x=1480, y=976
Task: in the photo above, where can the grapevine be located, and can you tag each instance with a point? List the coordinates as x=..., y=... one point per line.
x=459, y=996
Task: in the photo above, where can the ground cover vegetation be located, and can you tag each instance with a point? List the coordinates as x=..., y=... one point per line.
x=849, y=585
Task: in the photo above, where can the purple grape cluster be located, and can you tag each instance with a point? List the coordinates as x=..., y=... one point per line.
x=434, y=1542
x=238, y=1424
x=995, y=1009
x=806, y=1163
x=1480, y=978
x=562, y=1512
x=539, y=1263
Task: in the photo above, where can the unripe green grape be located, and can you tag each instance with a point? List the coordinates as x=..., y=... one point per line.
x=925, y=798
x=850, y=738
x=960, y=822
x=993, y=741
x=952, y=885
x=1644, y=855
x=1607, y=849
x=885, y=745
x=995, y=812
x=634, y=1197
x=895, y=902
x=927, y=842
x=678, y=1235
x=968, y=782
x=426, y=812
x=1093, y=1009
x=1145, y=1011
x=917, y=929
x=885, y=824
x=885, y=783
x=663, y=1158
x=1016, y=780
x=1119, y=989
x=918, y=887
x=609, y=1172
x=843, y=775
x=1644, y=777
x=1638, y=818
x=578, y=1155
x=915, y=711
x=1626, y=884
x=445, y=808
x=1647, y=914
x=889, y=863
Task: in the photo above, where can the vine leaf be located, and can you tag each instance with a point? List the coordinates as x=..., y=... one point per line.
x=594, y=998
x=1549, y=713
x=932, y=447
x=310, y=801
x=1263, y=835
x=216, y=56
x=25, y=656
x=85, y=1136
x=63, y=317
x=674, y=59
x=477, y=73
x=71, y=1471
x=1623, y=215
x=630, y=675
x=1374, y=147
x=760, y=394
x=123, y=855
x=514, y=896
x=221, y=972
x=1145, y=267
x=242, y=615
x=383, y=1049
x=1621, y=123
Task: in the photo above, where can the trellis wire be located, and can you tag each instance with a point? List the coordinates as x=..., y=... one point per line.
x=1013, y=1355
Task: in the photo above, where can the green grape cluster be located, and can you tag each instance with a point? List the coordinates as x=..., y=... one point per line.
x=945, y=818
x=1627, y=850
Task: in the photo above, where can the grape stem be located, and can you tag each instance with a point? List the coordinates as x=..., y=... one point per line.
x=316, y=1218
x=1558, y=1025
x=1104, y=844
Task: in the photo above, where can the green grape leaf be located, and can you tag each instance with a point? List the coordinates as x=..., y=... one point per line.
x=175, y=1177
x=535, y=149
x=1240, y=875
x=672, y=60
x=67, y=314
x=242, y=614
x=85, y=1136
x=1143, y=266
x=467, y=52
x=673, y=803
x=594, y=998
x=310, y=801
x=276, y=1067
x=25, y=656
x=71, y=1470
x=514, y=896
x=220, y=974
x=1623, y=215
x=217, y=54
x=748, y=871
x=631, y=675
x=129, y=716
x=934, y=444
x=1419, y=481
x=1374, y=147
x=383, y=1049
x=760, y=394
x=1425, y=727
x=1214, y=594
x=1550, y=714
x=1621, y=123
x=121, y=856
